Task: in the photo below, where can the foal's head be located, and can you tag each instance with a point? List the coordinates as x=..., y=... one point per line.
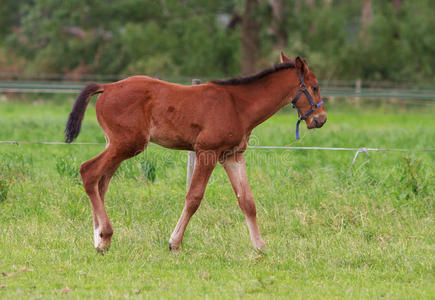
x=313, y=112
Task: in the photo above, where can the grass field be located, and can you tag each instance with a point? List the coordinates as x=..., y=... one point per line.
x=328, y=235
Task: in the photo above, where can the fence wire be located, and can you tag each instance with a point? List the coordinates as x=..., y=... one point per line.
x=356, y=150
x=364, y=149
x=51, y=87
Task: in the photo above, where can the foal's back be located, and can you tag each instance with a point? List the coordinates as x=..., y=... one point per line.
x=172, y=115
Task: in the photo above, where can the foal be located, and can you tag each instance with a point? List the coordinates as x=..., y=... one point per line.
x=214, y=119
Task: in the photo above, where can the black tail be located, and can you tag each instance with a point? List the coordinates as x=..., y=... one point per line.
x=75, y=119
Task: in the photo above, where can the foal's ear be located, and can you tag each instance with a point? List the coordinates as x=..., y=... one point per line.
x=284, y=58
x=301, y=65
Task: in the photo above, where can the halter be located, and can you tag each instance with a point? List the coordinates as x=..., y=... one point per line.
x=313, y=105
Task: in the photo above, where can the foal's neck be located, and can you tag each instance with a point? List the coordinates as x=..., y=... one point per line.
x=259, y=100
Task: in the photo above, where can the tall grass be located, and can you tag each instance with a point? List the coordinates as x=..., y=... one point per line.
x=329, y=235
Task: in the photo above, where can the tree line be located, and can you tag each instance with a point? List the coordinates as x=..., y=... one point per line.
x=389, y=40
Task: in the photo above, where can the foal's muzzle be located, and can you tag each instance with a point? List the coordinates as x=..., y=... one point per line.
x=317, y=121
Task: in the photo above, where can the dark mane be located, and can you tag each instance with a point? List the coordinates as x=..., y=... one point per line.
x=251, y=78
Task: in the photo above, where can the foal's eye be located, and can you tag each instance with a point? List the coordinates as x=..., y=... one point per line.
x=315, y=89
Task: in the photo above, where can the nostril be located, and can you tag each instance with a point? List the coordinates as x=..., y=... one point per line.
x=318, y=121
x=321, y=119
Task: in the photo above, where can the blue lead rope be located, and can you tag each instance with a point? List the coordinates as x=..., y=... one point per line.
x=297, y=128
x=313, y=105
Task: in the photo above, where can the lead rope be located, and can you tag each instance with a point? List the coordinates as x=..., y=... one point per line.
x=297, y=128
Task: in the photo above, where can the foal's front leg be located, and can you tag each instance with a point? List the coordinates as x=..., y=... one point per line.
x=236, y=171
x=204, y=165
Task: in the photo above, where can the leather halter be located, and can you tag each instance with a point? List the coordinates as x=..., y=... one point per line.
x=313, y=105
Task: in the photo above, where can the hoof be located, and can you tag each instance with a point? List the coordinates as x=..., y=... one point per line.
x=260, y=247
x=101, y=251
x=174, y=249
x=101, y=248
x=101, y=244
x=260, y=250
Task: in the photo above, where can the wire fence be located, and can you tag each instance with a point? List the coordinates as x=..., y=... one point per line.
x=191, y=160
x=68, y=87
x=70, y=77
x=249, y=147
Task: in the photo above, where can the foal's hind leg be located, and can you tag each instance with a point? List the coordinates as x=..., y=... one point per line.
x=92, y=172
x=103, y=184
x=96, y=175
x=236, y=171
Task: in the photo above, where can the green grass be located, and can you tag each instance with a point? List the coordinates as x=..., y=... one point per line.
x=328, y=235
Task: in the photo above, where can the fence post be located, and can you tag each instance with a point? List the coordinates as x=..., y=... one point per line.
x=358, y=84
x=191, y=155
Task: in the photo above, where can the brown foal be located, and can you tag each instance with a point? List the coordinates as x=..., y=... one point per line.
x=214, y=119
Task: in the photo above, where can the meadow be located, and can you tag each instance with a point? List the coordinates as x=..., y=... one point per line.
x=328, y=234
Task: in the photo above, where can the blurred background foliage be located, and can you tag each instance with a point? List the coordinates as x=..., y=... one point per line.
x=390, y=40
